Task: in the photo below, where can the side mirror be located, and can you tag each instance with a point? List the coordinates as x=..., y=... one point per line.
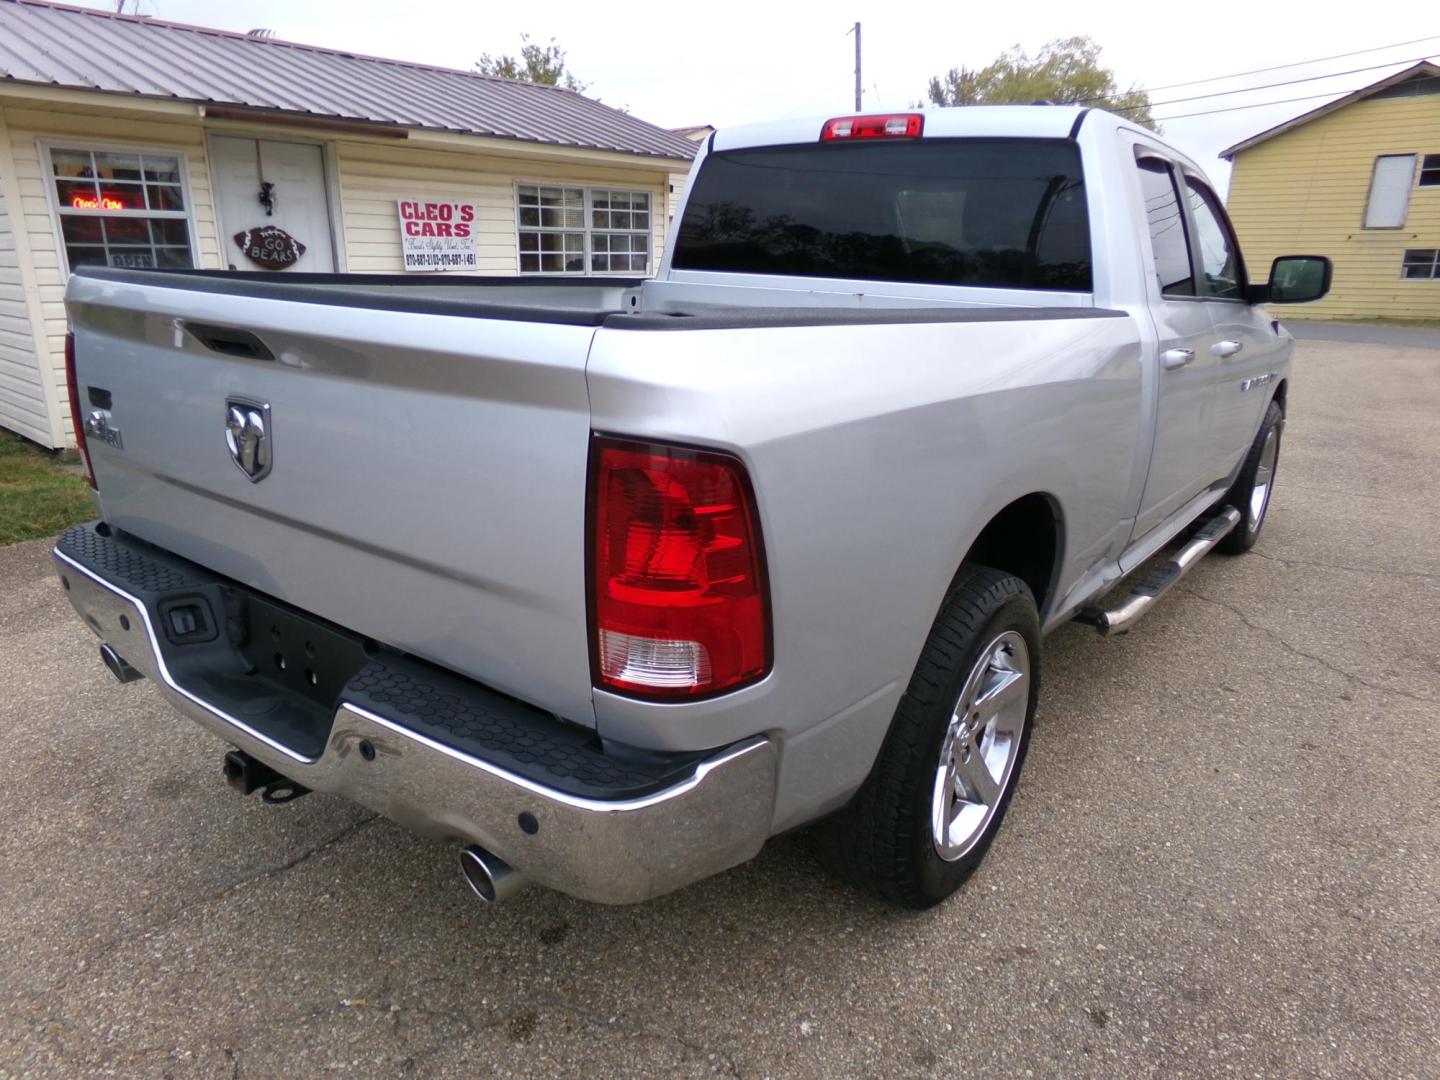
x=1294, y=279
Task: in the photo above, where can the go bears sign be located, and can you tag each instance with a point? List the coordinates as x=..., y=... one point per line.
x=270, y=246
x=438, y=235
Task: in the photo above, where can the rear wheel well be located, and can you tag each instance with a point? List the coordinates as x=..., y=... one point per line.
x=1024, y=539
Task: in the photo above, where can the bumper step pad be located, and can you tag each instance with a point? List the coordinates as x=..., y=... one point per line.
x=466, y=716
x=238, y=669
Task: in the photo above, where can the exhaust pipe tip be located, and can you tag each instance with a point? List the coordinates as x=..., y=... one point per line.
x=118, y=665
x=490, y=877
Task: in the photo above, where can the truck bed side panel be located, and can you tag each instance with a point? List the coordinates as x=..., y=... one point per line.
x=878, y=453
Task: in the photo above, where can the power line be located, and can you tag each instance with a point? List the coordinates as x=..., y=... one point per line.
x=1297, y=63
x=1240, y=108
x=1261, y=71
x=1256, y=105
x=1269, y=86
x=855, y=29
x=814, y=98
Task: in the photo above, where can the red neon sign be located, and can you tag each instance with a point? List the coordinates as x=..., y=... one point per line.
x=105, y=202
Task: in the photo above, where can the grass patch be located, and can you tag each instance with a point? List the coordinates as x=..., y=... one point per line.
x=38, y=495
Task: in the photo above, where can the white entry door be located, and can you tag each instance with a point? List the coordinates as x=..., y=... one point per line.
x=298, y=201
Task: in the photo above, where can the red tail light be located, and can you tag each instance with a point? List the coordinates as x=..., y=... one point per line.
x=678, y=602
x=881, y=126
x=77, y=408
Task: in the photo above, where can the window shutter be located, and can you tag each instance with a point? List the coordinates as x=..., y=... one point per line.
x=1389, y=191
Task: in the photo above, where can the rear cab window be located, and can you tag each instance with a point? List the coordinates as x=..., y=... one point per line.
x=997, y=213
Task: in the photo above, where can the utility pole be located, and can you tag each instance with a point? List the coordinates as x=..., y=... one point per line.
x=857, y=68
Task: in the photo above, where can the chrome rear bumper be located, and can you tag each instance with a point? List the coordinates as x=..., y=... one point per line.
x=611, y=852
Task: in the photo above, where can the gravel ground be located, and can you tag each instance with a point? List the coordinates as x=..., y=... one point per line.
x=1222, y=856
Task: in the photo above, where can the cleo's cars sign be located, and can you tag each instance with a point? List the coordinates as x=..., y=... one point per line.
x=437, y=235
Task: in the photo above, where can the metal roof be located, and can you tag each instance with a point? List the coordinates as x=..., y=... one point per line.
x=1421, y=71
x=83, y=49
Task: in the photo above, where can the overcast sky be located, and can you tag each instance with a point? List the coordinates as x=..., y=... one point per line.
x=737, y=61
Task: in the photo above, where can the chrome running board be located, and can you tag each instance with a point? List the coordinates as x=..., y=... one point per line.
x=1110, y=619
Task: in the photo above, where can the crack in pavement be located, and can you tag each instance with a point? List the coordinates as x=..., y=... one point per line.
x=1354, y=569
x=467, y=1025
x=174, y=916
x=1326, y=664
x=1336, y=491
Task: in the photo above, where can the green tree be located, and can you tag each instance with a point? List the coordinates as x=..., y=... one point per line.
x=544, y=64
x=1066, y=71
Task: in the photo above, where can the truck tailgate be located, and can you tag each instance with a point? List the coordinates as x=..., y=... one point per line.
x=427, y=480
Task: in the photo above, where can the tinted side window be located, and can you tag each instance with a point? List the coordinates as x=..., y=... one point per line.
x=1219, y=254
x=1168, y=234
x=1005, y=213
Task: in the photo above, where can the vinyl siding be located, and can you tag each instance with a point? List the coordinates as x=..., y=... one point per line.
x=30, y=125
x=676, y=188
x=371, y=174
x=23, y=407
x=374, y=175
x=1303, y=192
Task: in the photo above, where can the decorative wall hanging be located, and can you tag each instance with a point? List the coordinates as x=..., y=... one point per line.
x=270, y=246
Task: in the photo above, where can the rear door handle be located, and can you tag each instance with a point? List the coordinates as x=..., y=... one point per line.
x=1223, y=349
x=1174, y=359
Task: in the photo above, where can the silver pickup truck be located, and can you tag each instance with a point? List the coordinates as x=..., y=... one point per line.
x=611, y=580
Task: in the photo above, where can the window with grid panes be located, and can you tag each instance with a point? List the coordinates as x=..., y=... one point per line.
x=1430, y=170
x=571, y=230
x=120, y=209
x=552, y=229
x=1421, y=263
x=619, y=231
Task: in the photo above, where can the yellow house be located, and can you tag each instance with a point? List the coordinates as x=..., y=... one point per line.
x=130, y=141
x=1357, y=180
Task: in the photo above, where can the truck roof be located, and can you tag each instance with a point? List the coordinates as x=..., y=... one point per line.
x=1023, y=121
x=979, y=121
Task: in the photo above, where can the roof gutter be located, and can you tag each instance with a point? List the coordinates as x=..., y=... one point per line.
x=306, y=120
x=65, y=95
x=511, y=146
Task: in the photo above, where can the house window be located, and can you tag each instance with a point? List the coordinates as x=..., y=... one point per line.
x=552, y=229
x=1421, y=263
x=1430, y=171
x=571, y=230
x=1389, y=191
x=121, y=209
x=620, y=231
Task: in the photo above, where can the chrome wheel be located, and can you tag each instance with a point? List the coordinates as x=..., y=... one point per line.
x=981, y=744
x=1264, y=479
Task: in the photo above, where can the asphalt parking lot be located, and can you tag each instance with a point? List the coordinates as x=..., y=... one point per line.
x=1224, y=856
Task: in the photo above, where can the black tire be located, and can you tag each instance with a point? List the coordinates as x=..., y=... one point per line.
x=1243, y=537
x=883, y=840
